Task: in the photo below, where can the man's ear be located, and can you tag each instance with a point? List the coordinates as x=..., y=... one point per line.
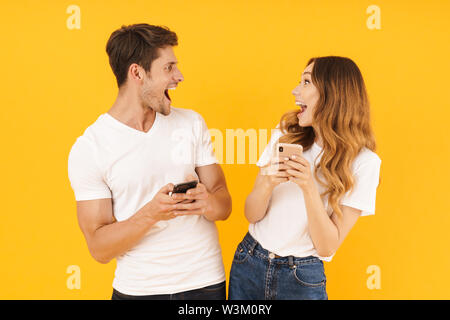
x=135, y=70
x=138, y=74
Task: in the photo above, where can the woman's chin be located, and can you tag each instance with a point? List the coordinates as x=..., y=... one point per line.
x=302, y=123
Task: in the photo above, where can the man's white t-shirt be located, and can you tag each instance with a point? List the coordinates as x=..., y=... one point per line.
x=113, y=160
x=284, y=228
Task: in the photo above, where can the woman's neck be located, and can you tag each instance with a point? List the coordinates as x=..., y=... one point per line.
x=318, y=139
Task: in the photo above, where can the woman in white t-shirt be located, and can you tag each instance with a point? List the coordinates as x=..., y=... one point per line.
x=301, y=209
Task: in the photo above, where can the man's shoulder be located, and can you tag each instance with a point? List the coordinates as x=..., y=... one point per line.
x=90, y=134
x=186, y=113
x=188, y=119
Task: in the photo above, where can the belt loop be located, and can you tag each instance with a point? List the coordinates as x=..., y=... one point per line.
x=291, y=261
x=253, y=243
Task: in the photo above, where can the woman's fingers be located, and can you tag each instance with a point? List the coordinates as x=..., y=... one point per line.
x=295, y=173
x=280, y=180
x=281, y=174
x=299, y=159
x=296, y=165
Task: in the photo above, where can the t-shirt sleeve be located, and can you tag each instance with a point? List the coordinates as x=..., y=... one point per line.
x=265, y=157
x=363, y=197
x=204, y=153
x=85, y=177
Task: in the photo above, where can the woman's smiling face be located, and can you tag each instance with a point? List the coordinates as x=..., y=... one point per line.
x=306, y=96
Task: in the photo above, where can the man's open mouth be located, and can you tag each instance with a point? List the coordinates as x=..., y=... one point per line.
x=166, y=93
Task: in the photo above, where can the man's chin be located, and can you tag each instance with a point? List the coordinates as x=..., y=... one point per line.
x=162, y=109
x=165, y=110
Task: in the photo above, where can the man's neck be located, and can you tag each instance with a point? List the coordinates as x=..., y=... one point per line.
x=130, y=111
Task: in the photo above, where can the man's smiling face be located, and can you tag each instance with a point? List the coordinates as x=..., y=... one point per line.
x=163, y=76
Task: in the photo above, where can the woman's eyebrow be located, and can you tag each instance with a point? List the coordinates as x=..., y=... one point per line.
x=306, y=72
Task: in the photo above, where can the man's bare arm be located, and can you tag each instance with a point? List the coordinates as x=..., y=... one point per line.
x=107, y=238
x=213, y=178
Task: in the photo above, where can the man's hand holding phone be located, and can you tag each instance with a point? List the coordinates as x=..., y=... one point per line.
x=194, y=201
x=162, y=205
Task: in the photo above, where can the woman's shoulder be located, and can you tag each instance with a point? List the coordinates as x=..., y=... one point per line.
x=366, y=157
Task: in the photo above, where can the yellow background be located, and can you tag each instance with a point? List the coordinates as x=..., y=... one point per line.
x=240, y=60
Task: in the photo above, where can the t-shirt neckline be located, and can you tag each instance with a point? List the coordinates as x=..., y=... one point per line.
x=119, y=124
x=317, y=147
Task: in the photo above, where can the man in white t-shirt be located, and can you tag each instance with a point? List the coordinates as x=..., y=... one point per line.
x=123, y=170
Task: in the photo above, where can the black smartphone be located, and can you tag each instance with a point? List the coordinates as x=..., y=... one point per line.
x=185, y=186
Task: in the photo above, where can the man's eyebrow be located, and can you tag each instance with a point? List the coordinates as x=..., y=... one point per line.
x=171, y=62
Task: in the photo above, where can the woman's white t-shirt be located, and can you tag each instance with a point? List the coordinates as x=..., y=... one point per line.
x=113, y=160
x=284, y=228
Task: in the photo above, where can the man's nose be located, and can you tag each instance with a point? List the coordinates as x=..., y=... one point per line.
x=178, y=76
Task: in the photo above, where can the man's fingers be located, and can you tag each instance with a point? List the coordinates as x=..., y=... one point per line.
x=188, y=206
x=166, y=207
x=197, y=193
x=200, y=188
x=167, y=188
x=179, y=196
x=187, y=201
x=190, y=212
x=166, y=199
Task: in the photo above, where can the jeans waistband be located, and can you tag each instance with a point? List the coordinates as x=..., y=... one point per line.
x=255, y=247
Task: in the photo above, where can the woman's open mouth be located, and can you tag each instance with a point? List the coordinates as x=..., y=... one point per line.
x=302, y=107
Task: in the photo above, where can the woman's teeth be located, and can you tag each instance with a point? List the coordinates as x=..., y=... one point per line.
x=301, y=105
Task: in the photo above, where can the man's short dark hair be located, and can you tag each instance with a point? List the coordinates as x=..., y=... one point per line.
x=137, y=43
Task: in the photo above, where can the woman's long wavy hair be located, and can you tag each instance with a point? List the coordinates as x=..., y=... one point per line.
x=342, y=118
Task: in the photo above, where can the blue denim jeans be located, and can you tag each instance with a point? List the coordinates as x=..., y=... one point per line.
x=257, y=274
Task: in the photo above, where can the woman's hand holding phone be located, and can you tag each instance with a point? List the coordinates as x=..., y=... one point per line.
x=274, y=173
x=299, y=171
x=295, y=166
